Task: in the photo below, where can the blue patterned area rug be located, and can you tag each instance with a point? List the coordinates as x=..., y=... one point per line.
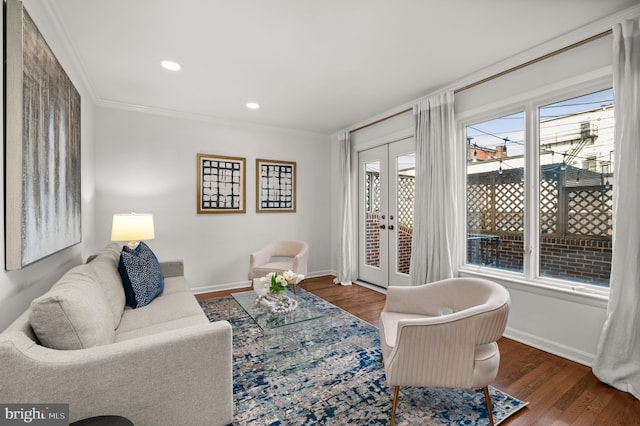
x=329, y=372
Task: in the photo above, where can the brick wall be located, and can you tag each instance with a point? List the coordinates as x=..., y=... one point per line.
x=372, y=230
x=583, y=259
x=511, y=252
x=372, y=255
x=588, y=259
x=405, y=236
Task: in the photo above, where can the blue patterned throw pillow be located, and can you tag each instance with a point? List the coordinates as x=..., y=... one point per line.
x=141, y=275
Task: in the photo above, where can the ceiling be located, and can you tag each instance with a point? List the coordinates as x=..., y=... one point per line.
x=317, y=66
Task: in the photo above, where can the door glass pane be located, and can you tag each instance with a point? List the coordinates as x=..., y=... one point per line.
x=495, y=193
x=406, y=166
x=372, y=214
x=576, y=188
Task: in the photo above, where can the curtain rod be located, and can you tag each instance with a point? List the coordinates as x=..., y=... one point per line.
x=500, y=74
x=536, y=60
x=381, y=120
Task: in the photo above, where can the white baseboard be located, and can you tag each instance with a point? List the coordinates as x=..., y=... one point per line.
x=550, y=346
x=245, y=284
x=320, y=274
x=371, y=286
x=221, y=287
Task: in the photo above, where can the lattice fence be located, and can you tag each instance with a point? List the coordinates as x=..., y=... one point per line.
x=495, y=203
x=372, y=188
x=406, y=191
x=509, y=206
x=590, y=212
x=549, y=190
x=406, y=188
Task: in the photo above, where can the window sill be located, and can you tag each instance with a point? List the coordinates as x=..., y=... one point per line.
x=576, y=293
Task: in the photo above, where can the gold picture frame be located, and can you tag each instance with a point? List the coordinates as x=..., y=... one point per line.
x=275, y=186
x=221, y=184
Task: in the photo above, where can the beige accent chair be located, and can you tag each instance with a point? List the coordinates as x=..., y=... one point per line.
x=443, y=334
x=279, y=256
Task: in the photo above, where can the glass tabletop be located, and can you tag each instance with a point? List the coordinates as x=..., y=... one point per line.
x=267, y=320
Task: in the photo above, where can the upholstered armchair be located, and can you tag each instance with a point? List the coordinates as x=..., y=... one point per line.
x=443, y=334
x=279, y=256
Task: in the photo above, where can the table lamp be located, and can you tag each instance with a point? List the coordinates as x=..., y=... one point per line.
x=132, y=227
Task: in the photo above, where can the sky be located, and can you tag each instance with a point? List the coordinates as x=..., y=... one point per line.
x=491, y=133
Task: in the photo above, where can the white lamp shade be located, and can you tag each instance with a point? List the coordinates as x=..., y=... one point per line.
x=132, y=227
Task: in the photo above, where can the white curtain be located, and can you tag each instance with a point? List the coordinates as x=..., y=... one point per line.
x=433, y=249
x=348, y=238
x=618, y=356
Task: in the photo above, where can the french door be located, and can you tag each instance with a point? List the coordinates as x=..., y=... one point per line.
x=385, y=212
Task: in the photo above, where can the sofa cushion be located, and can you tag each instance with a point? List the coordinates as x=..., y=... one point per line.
x=161, y=327
x=106, y=274
x=141, y=275
x=74, y=314
x=112, y=251
x=176, y=302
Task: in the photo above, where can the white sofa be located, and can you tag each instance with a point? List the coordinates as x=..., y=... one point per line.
x=163, y=364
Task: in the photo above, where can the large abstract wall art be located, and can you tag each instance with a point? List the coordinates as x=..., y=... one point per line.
x=221, y=184
x=42, y=161
x=275, y=186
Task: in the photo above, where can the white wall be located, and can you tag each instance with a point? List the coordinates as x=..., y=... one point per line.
x=147, y=163
x=19, y=288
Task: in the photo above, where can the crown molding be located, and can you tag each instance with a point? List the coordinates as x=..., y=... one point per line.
x=164, y=112
x=76, y=61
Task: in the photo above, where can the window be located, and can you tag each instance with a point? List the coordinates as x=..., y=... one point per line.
x=576, y=154
x=570, y=225
x=495, y=192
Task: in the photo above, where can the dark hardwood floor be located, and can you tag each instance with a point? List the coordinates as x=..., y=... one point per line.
x=559, y=392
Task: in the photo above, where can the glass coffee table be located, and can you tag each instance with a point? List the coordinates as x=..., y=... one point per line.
x=283, y=333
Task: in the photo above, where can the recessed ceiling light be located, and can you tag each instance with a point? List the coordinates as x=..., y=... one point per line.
x=253, y=105
x=170, y=65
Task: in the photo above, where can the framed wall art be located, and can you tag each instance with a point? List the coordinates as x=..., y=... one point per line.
x=42, y=147
x=221, y=184
x=275, y=186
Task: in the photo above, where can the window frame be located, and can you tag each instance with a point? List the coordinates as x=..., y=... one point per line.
x=529, y=103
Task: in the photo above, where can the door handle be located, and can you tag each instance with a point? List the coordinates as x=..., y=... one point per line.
x=390, y=227
x=382, y=227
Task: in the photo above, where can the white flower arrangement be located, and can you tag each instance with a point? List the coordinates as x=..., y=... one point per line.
x=269, y=289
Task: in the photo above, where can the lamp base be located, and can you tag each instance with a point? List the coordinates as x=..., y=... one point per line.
x=133, y=244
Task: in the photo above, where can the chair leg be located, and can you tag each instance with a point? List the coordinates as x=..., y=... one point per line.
x=487, y=399
x=395, y=405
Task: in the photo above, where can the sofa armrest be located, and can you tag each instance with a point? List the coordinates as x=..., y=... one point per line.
x=172, y=268
x=177, y=377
